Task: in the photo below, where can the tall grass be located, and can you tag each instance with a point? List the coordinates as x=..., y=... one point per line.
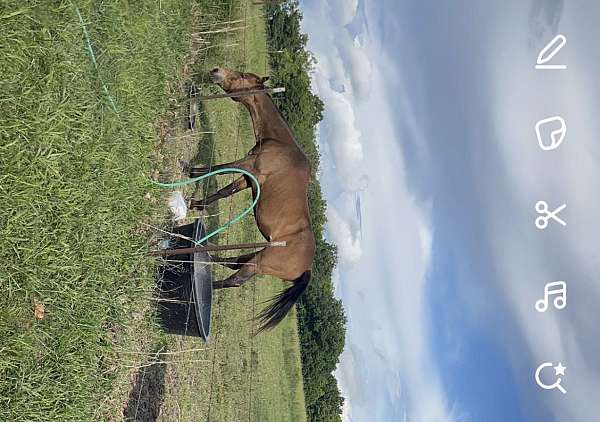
x=73, y=175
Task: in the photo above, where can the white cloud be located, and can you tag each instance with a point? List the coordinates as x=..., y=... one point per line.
x=357, y=62
x=387, y=370
x=384, y=293
x=340, y=54
x=338, y=130
x=339, y=232
x=342, y=11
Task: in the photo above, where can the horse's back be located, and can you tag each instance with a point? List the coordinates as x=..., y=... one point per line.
x=284, y=172
x=274, y=156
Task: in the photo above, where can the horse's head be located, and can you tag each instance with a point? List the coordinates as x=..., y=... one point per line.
x=232, y=81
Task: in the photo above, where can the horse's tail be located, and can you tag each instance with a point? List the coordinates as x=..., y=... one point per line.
x=281, y=304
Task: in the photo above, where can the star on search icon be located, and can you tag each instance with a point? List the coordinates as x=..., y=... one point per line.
x=558, y=370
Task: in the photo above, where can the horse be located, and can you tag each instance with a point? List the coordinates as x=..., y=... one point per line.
x=282, y=214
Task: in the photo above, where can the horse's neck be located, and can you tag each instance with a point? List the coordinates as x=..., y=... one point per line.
x=266, y=119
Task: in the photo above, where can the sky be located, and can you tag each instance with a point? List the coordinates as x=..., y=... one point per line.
x=429, y=130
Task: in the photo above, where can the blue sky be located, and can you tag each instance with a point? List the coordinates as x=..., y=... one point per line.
x=430, y=114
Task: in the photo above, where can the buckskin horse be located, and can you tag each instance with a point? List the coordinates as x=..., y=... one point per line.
x=283, y=173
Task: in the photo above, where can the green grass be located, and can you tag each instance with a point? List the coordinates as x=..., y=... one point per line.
x=73, y=194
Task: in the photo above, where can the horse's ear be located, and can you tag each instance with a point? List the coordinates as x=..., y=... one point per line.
x=264, y=79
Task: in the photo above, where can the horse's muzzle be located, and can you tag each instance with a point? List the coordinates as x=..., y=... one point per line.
x=217, y=76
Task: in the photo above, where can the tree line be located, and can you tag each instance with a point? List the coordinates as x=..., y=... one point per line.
x=320, y=315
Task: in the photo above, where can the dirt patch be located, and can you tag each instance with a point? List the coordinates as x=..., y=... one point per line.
x=146, y=397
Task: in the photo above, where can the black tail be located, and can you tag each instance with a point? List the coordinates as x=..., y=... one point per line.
x=281, y=304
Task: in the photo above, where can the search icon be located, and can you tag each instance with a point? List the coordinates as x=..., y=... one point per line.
x=558, y=369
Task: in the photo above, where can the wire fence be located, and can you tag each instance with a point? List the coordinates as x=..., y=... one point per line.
x=217, y=333
x=233, y=33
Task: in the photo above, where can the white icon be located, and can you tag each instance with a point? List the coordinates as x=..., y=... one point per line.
x=542, y=208
x=558, y=370
x=558, y=288
x=556, y=136
x=548, y=52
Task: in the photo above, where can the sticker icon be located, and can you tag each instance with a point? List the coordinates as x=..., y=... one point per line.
x=558, y=370
x=557, y=135
x=556, y=288
x=549, y=51
x=545, y=215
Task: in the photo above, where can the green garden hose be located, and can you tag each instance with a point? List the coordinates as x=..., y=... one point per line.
x=88, y=44
x=214, y=173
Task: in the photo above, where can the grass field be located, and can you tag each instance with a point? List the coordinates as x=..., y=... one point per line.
x=77, y=209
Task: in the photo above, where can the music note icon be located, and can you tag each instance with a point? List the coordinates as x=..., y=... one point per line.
x=558, y=288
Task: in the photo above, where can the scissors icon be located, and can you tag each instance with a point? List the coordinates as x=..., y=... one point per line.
x=558, y=370
x=542, y=221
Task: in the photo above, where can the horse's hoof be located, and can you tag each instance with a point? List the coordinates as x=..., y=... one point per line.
x=198, y=205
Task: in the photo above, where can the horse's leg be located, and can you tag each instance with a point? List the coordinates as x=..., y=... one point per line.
x=238, y=278
x=246, y=163
x=235, y=187
x=235, y=262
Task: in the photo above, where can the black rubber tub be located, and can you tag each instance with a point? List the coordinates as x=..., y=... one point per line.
x=185, y=293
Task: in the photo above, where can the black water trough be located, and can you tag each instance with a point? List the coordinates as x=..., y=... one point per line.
x=185, y=293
